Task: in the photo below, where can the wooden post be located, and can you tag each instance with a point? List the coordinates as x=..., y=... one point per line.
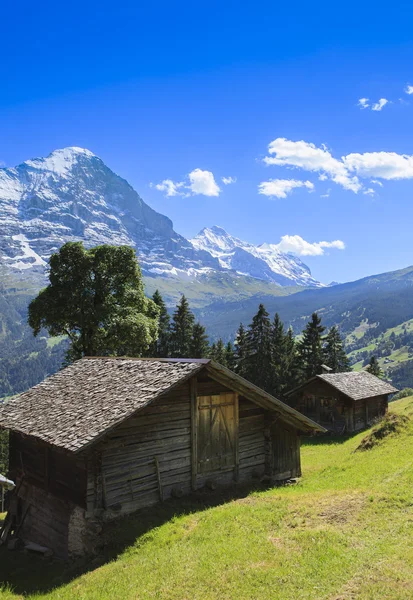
x=317, y=409
x=194, y=431
x=158, y=475
x=236, y=437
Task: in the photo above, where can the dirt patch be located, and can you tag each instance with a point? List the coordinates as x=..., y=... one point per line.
x=331, y=510
x=390, y=424
x=342, y=511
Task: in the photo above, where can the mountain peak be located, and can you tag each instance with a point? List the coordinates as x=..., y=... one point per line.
x=60, y=161
x=265, y=262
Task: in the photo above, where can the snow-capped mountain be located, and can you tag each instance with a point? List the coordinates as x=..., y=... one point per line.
x=72, y=195
x=265, y=262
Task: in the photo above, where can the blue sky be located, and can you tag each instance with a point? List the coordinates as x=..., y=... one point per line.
x=168, y=90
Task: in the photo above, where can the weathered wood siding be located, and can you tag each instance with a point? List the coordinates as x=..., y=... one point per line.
x=286, y=452
x=152, y=455
x=344, y=415
x=252, y=440
x=59, y=473
x=51, y=491
x=142, y=460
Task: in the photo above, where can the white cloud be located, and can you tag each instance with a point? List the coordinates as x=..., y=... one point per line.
x=297, y=245
x=346, y=171
x=409, y=89
x=385, y=165
x=280, y=188
x=307, y=156
x=363, y=103
x=203, y=182
x=377, y=182
x=380, y=104
x=198, y=183
x=228, y=180
x=172, y=188
x=327, y=194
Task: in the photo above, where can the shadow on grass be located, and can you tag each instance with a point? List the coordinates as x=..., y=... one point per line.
x=329, y=439
x=29, y=574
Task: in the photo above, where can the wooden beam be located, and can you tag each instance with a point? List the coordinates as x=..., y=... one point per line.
x=194, y=430
x=236, y=449
x=158, y=476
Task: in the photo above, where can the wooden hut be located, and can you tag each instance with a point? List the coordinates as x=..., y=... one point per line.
x=342, y=402
x=107, y=436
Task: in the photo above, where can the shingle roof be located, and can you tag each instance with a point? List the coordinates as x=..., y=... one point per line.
x=75, y=407
x=355, y=384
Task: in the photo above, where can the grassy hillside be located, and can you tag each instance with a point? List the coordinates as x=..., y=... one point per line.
x=343, y=532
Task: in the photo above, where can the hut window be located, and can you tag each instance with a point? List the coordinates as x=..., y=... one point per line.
x=216, y=432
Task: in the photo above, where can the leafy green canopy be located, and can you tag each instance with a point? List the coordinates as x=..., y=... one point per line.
x=96, y=298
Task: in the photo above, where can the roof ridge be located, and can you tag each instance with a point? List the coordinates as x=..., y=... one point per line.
x=202, y=361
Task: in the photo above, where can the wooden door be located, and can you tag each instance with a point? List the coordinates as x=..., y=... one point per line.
x=217, y=432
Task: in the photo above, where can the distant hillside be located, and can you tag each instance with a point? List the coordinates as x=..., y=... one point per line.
x=385, y=300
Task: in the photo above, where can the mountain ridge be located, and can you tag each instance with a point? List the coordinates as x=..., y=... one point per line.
x=72, y=195
x=264, y=261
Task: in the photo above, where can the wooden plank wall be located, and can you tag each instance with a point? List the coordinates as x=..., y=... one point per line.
x=62, y=474
x=145, y=458
x=46, y=518
x=286, y=452
x=252, y=443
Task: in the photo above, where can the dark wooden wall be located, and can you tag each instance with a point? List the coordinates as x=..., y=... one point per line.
x=50, y=487
x=62, y=474
x=285, y=452
x=345, y=415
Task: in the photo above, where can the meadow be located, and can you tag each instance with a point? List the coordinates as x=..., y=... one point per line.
x=344, y=531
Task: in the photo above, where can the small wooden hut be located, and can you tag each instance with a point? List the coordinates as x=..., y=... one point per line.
x=107, y=436
x=342, y=402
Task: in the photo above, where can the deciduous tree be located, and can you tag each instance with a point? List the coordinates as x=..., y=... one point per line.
x=96, y=298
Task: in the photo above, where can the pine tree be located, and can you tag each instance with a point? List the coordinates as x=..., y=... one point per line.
x=240, y=350
x=212, y=351
x=258, y=368
x=230, y=356
x=291, y=368
x=181, y=330
x=199, y=347
x=218, y=353
x=374, y=367
x=311, y=347
x=161, y=347
x=334, y=354
x=278, y=357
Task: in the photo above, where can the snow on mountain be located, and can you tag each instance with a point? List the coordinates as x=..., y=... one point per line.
x=265, y=262
x=72, y=195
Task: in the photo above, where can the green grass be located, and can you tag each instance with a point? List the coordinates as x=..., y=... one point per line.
x=398, y=356
x=343, y=532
